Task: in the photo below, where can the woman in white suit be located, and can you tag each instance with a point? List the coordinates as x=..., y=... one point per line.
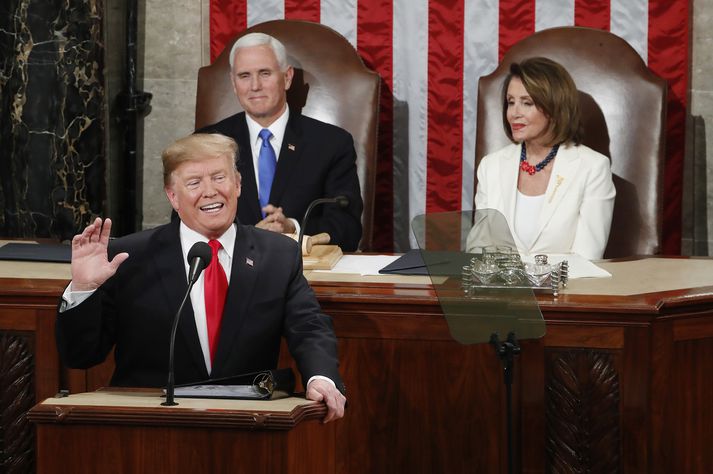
x=556, y=194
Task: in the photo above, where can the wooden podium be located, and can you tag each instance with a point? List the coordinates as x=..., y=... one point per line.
x=634, y=352
x=128, y=431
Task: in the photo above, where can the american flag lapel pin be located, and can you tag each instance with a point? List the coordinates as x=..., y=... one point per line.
x=291, y=146
x=249, y=261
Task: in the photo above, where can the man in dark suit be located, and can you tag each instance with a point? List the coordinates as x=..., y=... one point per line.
x=125, y=293
x=307, y=159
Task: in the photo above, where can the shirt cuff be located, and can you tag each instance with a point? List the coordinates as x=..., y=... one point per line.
x=71, y=299
x=320, y=377
x=297, y=225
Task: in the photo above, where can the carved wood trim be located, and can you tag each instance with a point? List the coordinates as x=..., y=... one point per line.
x=582, y=410
x=17, y=439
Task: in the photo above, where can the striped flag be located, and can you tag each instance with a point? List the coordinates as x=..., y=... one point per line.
x=430, y=55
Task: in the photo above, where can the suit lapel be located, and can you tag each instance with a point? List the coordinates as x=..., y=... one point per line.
x=169, y=261
x=248, y=194
x=290, y=152
x=510, y=171
x=243, y=277
x=561, y=179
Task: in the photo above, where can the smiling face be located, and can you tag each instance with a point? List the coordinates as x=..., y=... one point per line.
x=527, y=122
x=259, y=84
x=204, y=192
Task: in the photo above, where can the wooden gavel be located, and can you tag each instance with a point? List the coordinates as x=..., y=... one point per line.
x=308, y=241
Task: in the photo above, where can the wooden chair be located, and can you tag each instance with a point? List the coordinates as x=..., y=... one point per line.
x=331, y=84
x=624, y=112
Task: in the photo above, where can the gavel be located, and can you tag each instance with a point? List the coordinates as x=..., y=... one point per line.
x=308, y=241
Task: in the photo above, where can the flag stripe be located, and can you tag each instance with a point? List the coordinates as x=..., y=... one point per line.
x=553, y=13
x=226, y=18
x=430, y=56
x=517, y=22
x=480, y=58
x=260, y=11
x=668, y=57
x=410, y=21
x=592, y=14
x=374, y=44
x=630, y=20
x=303, y=10
x=445, y=106
x=341, y=15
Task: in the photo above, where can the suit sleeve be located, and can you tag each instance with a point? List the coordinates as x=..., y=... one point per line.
x=595, y=214
x=309, y=332
x=343, y=225
x=85, y=334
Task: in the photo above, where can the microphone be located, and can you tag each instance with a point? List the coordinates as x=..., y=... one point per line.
x=198, y=258
x=341, y=200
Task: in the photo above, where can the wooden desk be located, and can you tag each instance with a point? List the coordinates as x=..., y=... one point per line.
x=623, y=380
x=128, y=431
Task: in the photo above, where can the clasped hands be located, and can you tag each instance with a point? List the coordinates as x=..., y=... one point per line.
x=276, y=221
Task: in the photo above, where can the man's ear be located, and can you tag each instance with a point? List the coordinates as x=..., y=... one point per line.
x=289, y=74
x=171, y=195
x=239, y=182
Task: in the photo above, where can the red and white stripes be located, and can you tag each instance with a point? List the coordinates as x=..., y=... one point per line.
x=430, y=55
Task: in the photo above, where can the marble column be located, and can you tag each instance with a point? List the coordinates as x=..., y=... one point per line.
x=52, y=117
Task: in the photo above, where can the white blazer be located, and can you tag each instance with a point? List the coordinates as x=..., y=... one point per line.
x=579, y=201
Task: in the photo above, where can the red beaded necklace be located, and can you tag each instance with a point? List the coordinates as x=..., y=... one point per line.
x=528, y=168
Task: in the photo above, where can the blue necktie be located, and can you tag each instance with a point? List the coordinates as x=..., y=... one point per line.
x=266, y=168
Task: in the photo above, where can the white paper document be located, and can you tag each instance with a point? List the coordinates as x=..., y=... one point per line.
x=362, y=264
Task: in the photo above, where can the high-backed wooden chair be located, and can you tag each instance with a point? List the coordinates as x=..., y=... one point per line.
x=624, y=112
x=331, y=84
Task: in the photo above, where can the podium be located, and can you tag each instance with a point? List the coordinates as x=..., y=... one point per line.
x=128, y=431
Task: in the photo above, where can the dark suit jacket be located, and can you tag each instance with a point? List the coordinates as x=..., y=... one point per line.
x=134, y=310
x=316, y=160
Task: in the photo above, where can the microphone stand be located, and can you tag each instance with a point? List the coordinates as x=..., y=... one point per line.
x=198, y=257
x=342, y=201
x=170, y=386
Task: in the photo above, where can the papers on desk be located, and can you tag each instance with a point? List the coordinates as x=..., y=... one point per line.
x=362, y=264
x=579, y=267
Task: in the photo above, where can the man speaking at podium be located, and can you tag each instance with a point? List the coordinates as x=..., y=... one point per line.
x=125, y=293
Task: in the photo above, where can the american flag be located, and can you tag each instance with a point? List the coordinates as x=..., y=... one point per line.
x=430, y=55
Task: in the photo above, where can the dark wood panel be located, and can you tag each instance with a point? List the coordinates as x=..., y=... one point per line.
x=692, y=423
x=88, y=449
x=17, y=396
x=582, y=410
x=420, y=402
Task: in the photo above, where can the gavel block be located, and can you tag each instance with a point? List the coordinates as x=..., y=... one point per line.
x=317, y=254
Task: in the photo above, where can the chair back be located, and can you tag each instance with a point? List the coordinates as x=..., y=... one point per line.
x=624, y=115
x=331, y=84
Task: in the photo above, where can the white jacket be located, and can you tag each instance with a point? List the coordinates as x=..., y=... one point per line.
x=579, y=201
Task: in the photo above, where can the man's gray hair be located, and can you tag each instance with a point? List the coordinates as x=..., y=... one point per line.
x=260, y=39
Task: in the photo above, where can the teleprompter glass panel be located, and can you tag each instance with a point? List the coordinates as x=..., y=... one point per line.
x=478, y=276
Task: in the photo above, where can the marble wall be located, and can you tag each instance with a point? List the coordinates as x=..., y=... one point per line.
x=175, y=47
x=52, y=116
x=698, y=214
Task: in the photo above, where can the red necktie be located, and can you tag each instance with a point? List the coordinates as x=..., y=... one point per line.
x=215, y=287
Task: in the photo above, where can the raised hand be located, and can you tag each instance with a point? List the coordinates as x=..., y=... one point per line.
x=90, y=260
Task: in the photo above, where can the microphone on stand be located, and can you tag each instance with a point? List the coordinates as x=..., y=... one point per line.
x=198, y=258
x=341, y=200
